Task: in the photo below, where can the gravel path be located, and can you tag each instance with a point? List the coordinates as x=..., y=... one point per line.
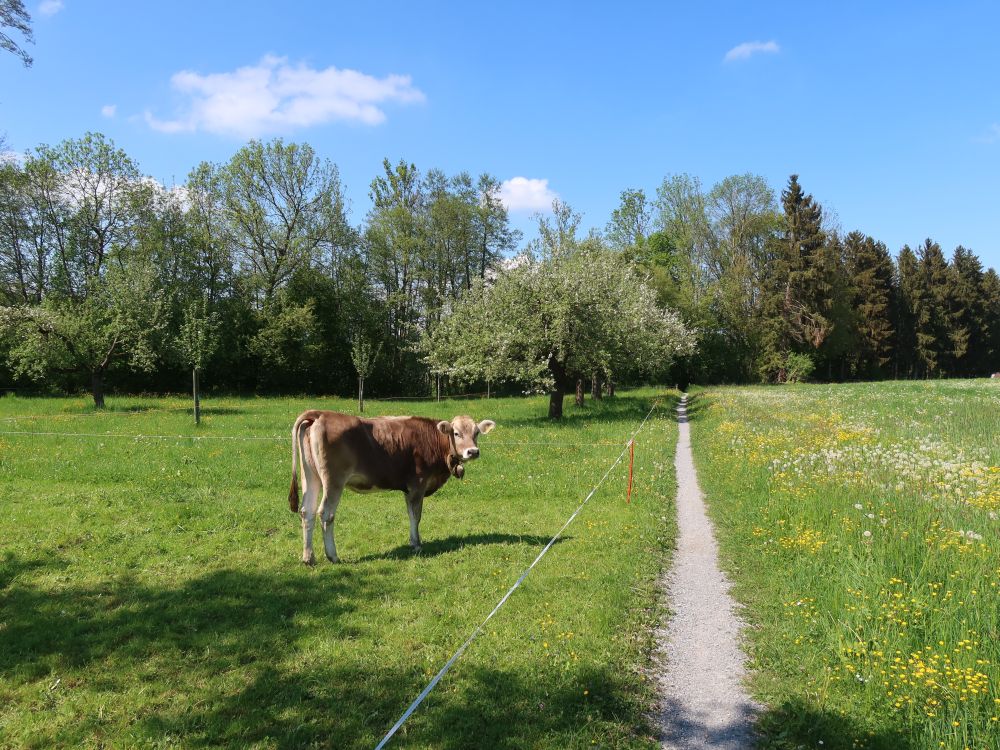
x=703, y=704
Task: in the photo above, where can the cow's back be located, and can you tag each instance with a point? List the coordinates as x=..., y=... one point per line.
x=385, y=453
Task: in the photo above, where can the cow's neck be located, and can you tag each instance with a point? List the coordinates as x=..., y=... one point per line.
x=454, y=460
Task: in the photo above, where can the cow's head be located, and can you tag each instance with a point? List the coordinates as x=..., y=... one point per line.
x=463, y=432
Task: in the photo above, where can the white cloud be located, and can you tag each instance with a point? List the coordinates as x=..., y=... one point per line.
x=748, y=49
x=527, y=194
x=49, y=8
x=273, y=96
x=109, y=110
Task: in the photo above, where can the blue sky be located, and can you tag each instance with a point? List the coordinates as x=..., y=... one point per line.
x=890, y=113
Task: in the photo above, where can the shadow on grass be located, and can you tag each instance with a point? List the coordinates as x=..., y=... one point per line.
x=340, y=708
x=796, y=724
x=624, y=409
x=12, y=566
x=224, y=616
x=231, y=659
x=454, y=543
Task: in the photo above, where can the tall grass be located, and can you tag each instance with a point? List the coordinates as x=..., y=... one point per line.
x=860, y=524
x=151, y=594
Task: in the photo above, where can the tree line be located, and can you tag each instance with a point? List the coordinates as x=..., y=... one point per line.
x=252, y=271
x=779, y=293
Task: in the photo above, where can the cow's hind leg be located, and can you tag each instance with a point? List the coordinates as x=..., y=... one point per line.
x=308, y=512
x=415, y=507
x=327, y=514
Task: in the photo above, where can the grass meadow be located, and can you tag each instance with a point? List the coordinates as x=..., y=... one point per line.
x=860, y=525
x=151, y=593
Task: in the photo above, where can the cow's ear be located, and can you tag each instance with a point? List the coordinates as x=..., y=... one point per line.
x=486, y=425
x=445, y=427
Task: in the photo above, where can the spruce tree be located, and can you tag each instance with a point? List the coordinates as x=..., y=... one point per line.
x=833, y=301
x=871, y=277
x=967, y=313
x=798, y=287
x=904, y=317
x=991, y=315
x=935, y=344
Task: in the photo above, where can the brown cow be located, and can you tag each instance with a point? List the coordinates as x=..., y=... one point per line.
x=415, y=455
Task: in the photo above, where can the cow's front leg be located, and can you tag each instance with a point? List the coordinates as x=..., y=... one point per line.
x=415, y=506
x=327, y=514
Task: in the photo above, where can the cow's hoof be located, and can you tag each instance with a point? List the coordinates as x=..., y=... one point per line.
x=334, y=559
x=310, y=561
x=417, y=549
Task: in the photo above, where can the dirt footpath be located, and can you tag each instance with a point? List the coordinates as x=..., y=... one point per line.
x=704, y=704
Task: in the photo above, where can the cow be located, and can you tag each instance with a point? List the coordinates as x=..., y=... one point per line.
x=414, y=455
x=995, y=375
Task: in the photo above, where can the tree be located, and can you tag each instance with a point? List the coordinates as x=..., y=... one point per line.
x=282, y=203
x=904, y=316
x=87, y=298
x=968, y=328
x=14, y=16
x=394, y=241
x=743, y=220
x=799, y=284
x=681, y=213
x=871, y=286
x=930, y=310
x=363, y=355
x=118, y=321
x=991, y=295
x=547, y=322
x=630, y=223
x=91, y=201
x=196, y=341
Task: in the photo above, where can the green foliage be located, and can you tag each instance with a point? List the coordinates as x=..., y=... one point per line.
x=262, y=246
x=120, y=319
x=798, y=367
x=870, y=271
x=198, y=335
x=547, y=322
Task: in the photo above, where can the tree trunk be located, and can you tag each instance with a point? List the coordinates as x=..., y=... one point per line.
x=596, y=387
x=197, y=395
x=97, y=389
x=561, y=381
x=579, y=391
x=361, y=394
x=611, y=388
x=556, y=403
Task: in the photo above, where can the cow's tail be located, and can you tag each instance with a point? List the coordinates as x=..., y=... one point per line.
x=298, y=456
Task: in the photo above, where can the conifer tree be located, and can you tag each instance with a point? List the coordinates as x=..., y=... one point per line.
x=798, y=283
x=904, y=318
x=966, y=313
x=871, y=275
x=991, y=298
x=934, y=345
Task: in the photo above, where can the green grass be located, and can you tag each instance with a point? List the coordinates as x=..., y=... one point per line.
x=860, y=525
x=151, y=592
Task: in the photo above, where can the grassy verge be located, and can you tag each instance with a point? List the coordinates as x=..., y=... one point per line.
x=860, y=525
x=151, y=594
